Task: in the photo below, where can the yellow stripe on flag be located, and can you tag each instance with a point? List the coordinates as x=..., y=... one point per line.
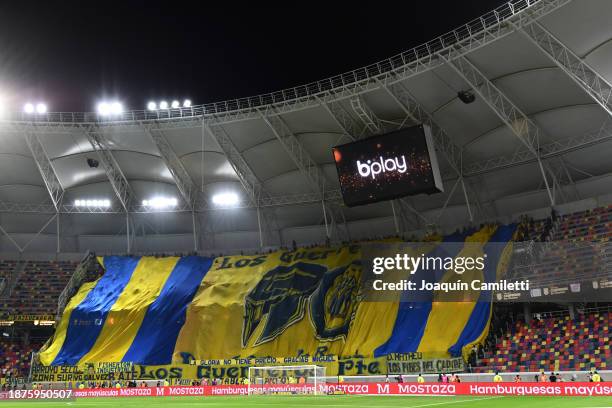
x=377, y=318
x=126, y=315
x=448, y=319
x=48, y=355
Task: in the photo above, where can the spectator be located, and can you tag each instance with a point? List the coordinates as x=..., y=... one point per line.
x=595, y=377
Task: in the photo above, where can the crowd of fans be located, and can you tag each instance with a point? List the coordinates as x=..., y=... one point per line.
x=511, y=345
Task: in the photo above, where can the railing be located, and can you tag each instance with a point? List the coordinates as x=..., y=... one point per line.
x=396, y=62
x=14, y=278
x=76, y=280
x=563, y=313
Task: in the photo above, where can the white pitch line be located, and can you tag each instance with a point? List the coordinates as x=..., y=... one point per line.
x=454, y=402
x=286, y=403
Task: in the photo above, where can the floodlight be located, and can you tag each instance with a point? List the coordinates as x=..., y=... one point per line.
x=175, y=104
x=41, y=108
x=160, y=202
x=104, y=108
x=110, y=108
x=152, y=106
x=116, y=108
x=163, y=105
x=93, y=203
x=225, y=199
x=28, y=108
x=186, y=103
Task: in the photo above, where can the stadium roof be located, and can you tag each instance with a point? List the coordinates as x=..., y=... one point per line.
x=539, y=70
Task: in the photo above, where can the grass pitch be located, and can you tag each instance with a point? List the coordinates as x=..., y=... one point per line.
x=338, y=401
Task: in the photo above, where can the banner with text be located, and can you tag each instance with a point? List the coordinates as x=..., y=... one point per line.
x=574, y=389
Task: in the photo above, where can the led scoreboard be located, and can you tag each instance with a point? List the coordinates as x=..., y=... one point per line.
x=388, y=166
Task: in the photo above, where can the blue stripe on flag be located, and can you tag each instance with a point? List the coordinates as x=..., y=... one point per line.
x=156, y=338
x=480, y=316
x=412, y=316
x=87, y=319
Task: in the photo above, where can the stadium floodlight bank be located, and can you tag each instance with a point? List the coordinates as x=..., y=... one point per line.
x=287, y=380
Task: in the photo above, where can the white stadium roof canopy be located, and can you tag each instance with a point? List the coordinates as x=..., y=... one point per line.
x=540, y=71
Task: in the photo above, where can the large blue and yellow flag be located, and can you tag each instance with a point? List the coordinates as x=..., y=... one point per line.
x=155, y=311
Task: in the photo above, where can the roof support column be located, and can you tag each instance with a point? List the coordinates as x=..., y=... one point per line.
x=12, y=241
x=117, y=179
x=250, y=182
x=570, y=179
x=519, y=123
x=46, y=224
x=467, y=201
x=305, y=164
x=261, y=242
x=327, y=234
x=46, y=169
x=128, y=236
x=181, y=178
x=594, y=84
x=343, y=119
x=195, y=231
x=448, y=198
x=416, y=114
x=115, y=176
x=372, y=123
x=395, y=222
x=245, y=174
x=57, y=233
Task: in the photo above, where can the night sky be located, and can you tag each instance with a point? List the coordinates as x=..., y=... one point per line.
x=72, y=54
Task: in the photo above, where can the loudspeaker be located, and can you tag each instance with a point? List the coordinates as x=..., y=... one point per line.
x=466, y=96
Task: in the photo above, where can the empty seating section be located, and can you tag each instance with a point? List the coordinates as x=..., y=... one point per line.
x=580, y=248
x=565, y=262
x=553, y=344
x=590, y=225
x=38, y=287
